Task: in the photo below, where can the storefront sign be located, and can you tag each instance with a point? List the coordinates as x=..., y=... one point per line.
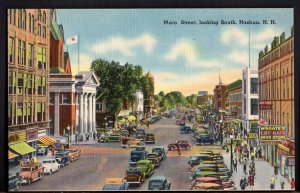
x=272, y=133
x=16, y=137
x=252, y=135
x=290, y=161
x=265, y=105
x=32, y=134
x=41, y=133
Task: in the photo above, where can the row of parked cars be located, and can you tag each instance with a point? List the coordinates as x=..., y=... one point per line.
x=209, y=172
x=141, y=166
x=33, y=171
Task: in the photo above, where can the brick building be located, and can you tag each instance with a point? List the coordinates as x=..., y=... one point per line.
x=220, y=97
x=234, y=94
x=28, y=78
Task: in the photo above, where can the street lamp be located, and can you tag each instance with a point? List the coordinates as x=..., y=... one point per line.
x=105, y=124
x=68, y=128
x=231, y=153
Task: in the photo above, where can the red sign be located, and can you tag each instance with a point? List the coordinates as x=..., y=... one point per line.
x=265, y=106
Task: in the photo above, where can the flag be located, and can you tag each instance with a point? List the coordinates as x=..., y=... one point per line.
x=72, y=40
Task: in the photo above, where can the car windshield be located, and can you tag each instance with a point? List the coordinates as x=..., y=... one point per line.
x=156, y=150
x=112, y=187
x=155, y=183
x=25, y=169
x=136, y=153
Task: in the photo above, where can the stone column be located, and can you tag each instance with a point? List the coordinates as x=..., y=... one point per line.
x=94, y=112
x=90, y=114
x=85, y=113
x=80, y=117
x=56, y=115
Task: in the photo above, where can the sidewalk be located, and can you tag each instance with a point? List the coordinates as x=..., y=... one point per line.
x=264, y=171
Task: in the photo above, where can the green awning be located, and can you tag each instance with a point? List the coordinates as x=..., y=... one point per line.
x=22, y=148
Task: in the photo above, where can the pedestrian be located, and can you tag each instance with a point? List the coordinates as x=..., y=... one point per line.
x=148, y=125
x=245, y=167
x=251, y=181
x=281, y=180
x=235, y=164
x=178, y=149
x=94, y=136
x=275, y=169
x=272, y=184
x=259, y=154
x=243, y=183
x=252, y=155
x=292, y=183
x=52, y=151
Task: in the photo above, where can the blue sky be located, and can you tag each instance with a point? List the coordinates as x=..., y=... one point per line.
x=181, y=57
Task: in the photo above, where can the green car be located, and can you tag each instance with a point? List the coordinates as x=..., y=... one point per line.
x=146, y=167
x=110, y=138
x=204, y=174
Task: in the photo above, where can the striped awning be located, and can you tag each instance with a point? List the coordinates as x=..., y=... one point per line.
x=11, y=155
x=47, y=140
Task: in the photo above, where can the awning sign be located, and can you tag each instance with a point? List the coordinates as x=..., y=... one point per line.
x=272, y=133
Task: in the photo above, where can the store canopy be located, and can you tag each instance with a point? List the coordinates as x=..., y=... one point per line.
x=47, y=140
x=131, y=118
x=22, y=148
x=11, y=155
x=284, y=148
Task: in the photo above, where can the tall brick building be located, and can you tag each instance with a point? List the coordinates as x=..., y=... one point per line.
x=28, y=78
x=220, y=96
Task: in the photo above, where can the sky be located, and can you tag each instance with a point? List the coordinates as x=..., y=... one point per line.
x=181, y=57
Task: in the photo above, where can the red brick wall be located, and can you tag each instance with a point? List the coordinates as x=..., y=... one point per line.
x=67, y=116
x=56, y=47
x=68, y=66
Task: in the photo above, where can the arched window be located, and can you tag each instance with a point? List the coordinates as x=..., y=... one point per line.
x=24, y=19
x=29, y=22
x=39, y=15
x=19, y=18
x=44, y=17
x=13, y=21
x=32, y=23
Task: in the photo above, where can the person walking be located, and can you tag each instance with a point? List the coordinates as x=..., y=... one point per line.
x=243, y=183
x=273, y=181
x=275, y=169
x=178, y=149
x=252, y=155
x=235, y=164
x=148, y=125
x=292, y=183
x=251, y=181
x=281, y=180
x=94, y=136
x=245, y=166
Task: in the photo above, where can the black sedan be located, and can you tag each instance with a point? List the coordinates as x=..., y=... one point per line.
x=205, y=140
x=185, y=130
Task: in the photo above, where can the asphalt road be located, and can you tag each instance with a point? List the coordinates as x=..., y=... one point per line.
x=101, y=161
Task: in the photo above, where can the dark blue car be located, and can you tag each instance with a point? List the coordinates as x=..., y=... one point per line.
x=185, y=130
x=205, y=140
x=123, y=186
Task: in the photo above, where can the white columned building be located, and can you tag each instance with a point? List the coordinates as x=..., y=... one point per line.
x=86, y=85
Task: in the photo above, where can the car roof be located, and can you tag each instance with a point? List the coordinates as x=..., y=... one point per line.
x=143, y=161
x=31, y=165
x=114, y=181
x=160, y=147
x=161, y=178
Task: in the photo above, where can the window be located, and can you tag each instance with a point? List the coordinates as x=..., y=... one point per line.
x=253, y=86
x=19, y=51
x=19, y=18
x=39, y=15
x=33, y=85
x=254, y=106
x=40, y=85
x=98, y=106
x=32, y=23
x=39, y=32
x=24, y=19
x=25, y=83
x=11, y=49
x=44, y=32
x=51, y=101
x=23, y=61
x=44, y=57
x=39, y=111
x=40, y=57
x=20, y=113
x=245, y=86
x=244, y=106
x=44, y=17
x=20, y=83
x=65, y=98
x=30, y=55
x=29, y=22
x=44, y=85
x=29, y=83
x=10, y=16
x=43, y=112
x=11, y=113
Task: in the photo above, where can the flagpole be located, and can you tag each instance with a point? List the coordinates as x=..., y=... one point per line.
x=78, y=53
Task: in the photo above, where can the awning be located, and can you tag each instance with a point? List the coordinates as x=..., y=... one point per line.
x=282, y=147
x=22, y=148
x=47, y=140
x=131, y=118
x=11, y=155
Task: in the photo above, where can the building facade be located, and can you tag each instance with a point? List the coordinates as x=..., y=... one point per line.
x=28, y=77
x=220, y=97
x=276, y=92
x=234, y=94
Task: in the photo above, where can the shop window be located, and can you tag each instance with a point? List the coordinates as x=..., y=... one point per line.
x=11, y=49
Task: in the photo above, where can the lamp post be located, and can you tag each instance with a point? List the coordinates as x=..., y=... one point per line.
x=231, y=153
x=105, y=124
x=68, y=128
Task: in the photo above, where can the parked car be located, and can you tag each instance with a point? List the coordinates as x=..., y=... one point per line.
x=150, y=138
x=207, y=186
x=196, y=159
x=140, y=133
x=14, y=182
x=110, y=138
x=115, y=184
x=50, y=165
x=31, y=172
x=198, y=135
x=185, y=130
x=155, y=158
x=136, y=156
x=146, y=167
x=161, y=151
x=74, y=154
x=131, y=142
x=205, y=180
x=131, y=128
x=159, y=183
x=204, y=174
x=198, y=168
x=205, y=140
x=134, y=176
x=183, y=144
x=63, y=157
x=125, y=133
x=154, y=119
x=42, y=151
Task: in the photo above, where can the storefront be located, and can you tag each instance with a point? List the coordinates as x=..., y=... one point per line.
x=18, y=146
x=286, y=158
x=32, y=137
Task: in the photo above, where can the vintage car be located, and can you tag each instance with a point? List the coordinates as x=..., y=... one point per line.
x=185, y=130
x=161, y=151
x=201, y=166
x=31, y=172
x=110, y=138
x=14, y=182
x=140, y=133
x=136, y=156
x=149, y=138
x=205, y=140
x=183, y=145
x=74, y=154
x=207, y=186
x=63, y=158
x=154, y=119
x=196, y=159
x=50, y=165
x=42, y=151
x=131, y=142
x=205, y=180
x=204, y=174
x=125, y=133
x=134, y=176
x=220, y=165
x=154, y=158
x=115, y=184
x=159, y=183
x=207, y=152
x=197, y=135
x=146, y=167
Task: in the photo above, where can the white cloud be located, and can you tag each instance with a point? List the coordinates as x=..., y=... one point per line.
x=264, y=37
x=84, y=64
x=126, y=46
x=238, y=57
x=189, y=52
x=234, y=35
